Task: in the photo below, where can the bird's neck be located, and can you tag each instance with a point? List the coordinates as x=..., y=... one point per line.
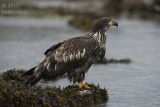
x=100, y=36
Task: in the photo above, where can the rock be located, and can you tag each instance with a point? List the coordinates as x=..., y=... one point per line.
x=85, y=92
x=13, y=92
x=107, y=61
x=81, y=22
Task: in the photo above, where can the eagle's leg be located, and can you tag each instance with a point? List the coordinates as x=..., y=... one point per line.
x=80, y=85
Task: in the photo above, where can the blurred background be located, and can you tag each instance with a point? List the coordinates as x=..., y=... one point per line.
x=28, y=28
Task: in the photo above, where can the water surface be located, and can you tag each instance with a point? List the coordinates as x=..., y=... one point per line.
x=24, y=40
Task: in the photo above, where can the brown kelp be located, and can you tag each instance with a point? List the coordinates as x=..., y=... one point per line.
x=13, y=92
x=109, y=61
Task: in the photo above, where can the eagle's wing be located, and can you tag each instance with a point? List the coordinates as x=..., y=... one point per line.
x=52, y=48
x=71, y=53
x=63, y=56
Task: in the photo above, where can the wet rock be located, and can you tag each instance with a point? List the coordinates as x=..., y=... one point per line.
x=113, y=7
x=13, y=92
x=84, y=21
x=107, y=61
x=117, y=8
x=81, y=22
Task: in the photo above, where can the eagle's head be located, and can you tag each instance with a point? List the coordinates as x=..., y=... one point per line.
x=100, y=28
x=103, y=24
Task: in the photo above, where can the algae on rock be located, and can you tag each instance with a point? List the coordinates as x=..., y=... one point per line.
x=13, y=92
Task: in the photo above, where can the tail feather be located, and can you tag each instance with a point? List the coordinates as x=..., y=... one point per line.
x=32, y=80
x=29, y=81
x=35, y=75
x=29, y=72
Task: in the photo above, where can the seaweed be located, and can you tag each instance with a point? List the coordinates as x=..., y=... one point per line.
x=108, y=61
x=13, y=92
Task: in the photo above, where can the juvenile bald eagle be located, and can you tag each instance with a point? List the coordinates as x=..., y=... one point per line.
x=73, y=56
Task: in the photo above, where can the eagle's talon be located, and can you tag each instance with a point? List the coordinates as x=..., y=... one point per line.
x=80, y=84
x=86, y=86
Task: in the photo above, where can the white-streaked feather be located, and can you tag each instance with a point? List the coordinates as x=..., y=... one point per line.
x=70, y=57
x=48, y=65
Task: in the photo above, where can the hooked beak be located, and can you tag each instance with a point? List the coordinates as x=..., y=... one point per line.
x=112, y=23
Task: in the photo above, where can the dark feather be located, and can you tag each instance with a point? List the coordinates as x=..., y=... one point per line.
x=52, y=48
x=71, y=46
x=74, y=46
x=37, y=74
x=29, y=72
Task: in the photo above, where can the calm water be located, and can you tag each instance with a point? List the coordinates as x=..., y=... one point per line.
x=24, y=40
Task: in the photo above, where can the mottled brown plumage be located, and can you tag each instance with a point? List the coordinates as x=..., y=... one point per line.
x=73, y=56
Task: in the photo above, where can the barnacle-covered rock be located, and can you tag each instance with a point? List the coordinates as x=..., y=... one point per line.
x=13, y=92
